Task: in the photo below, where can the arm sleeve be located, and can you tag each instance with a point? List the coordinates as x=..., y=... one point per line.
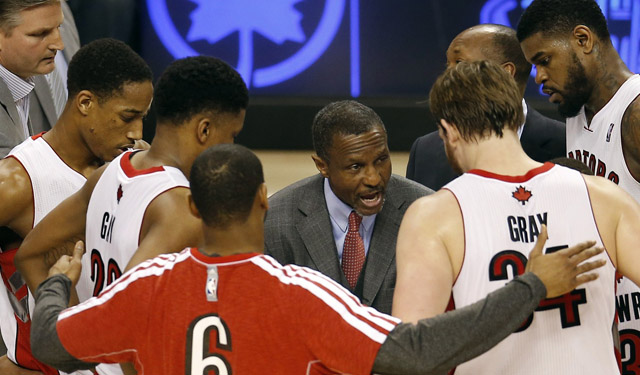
x=435, y=345
x=51, y=298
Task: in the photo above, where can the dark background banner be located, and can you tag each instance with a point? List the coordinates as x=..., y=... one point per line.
x=298, y=55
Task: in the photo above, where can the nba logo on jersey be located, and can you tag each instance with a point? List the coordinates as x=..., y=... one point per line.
x=211, y=289
x=609, y=132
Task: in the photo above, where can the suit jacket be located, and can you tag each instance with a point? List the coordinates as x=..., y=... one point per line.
x=298, y=231
x=542, y=139
x=42, y=112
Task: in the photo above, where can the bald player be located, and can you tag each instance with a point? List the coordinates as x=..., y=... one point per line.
x=541, y=138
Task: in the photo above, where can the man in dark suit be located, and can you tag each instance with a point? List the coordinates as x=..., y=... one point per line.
x=542, y=138
x=26, y=60
x=344, y=221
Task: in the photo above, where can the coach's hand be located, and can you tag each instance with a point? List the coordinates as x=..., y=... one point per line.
x=70, y=266
x=563, y=270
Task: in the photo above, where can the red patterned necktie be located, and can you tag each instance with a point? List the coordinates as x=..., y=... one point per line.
x=353, y=251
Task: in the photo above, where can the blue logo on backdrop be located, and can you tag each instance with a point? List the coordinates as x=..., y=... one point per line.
x=623, y=20
x=277, y=21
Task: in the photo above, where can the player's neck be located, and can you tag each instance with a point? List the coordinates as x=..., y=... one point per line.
x=234, y=239
x=66, y=140
x=613, y=72
x=168, y=149
x=237, y=237
x=503, y=156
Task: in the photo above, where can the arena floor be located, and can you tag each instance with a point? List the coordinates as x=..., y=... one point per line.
x=281, y=168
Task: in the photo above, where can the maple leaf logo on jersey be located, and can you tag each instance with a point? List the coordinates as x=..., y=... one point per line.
x=119, y=193
x=521, y=195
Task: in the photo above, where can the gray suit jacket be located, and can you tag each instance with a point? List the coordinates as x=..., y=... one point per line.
x=42, y=112
x=298, y=231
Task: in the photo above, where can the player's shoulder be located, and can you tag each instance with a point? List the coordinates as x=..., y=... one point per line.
x=602, y=188
x=175, y=200
x=15, y=182
x=440, y=205
x=632, y=113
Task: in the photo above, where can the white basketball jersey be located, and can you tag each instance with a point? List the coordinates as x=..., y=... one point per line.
x=114, y=220
x=502, y=218
x=52, y=181
x=599, y=145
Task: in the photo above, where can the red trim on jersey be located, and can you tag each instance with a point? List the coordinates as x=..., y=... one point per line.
x=516, y=179
x=220, y=259
x=464, y=244
x=130, y=171
x=34, y=137
x=33, y=198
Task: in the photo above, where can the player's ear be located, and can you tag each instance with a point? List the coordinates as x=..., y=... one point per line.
x=84, y=101
x=510, y=68
x=204, y=129
x=450, y=131
x=263, y=197
x=192, y=207
x=321, y=165
x=583, y=38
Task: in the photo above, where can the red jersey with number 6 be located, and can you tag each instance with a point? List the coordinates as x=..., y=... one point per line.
x=503, y=216
x=242, y=314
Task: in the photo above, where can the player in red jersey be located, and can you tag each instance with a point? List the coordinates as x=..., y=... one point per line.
x=226, y=308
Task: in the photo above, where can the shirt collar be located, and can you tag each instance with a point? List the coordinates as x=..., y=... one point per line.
x=524, y=110
x=19, y=87
x=339, y=211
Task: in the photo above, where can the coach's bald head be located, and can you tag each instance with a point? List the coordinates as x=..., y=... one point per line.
x=496, y=43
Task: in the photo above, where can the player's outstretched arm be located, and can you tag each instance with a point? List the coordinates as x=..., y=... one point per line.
x=55, y=235
x=168, y=227
x=52, y=297
x=435, y=345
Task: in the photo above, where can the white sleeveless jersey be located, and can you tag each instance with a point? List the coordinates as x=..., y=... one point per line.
x=599, y=145
x=114, y=220
x=502, y=218
x=52, y=181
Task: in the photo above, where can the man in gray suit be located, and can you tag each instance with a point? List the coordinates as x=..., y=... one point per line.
x=344, y=221
x=30, y=38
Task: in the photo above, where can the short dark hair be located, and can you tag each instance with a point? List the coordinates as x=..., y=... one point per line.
x=507, y=48
x=554, y=17
x=224, y=181
x=198, y=84
x=479, y=97
x=573, y=164
x=10, y=11
x=104, y=66
x=346, y=117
